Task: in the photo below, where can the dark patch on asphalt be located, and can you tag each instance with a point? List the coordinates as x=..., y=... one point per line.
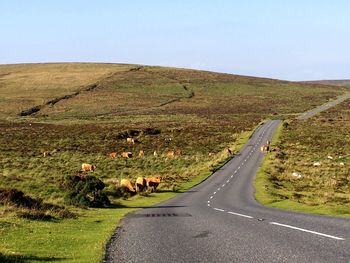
x=202, y=235
x=157, y=215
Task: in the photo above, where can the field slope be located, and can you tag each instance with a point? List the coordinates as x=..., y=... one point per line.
x=80, y=112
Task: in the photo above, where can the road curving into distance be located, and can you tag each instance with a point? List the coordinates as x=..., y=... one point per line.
x=220, y=221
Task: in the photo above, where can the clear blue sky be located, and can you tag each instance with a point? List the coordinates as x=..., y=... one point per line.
x=285, y=39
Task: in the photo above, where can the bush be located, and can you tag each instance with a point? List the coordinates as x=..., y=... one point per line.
x=85, y=191
x=17, y=198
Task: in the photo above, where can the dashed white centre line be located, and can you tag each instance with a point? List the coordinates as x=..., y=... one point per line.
x=218, y=209
x=223, y=185
x=211, y=197
x=227, y=181
x=238, y=214
x=308, y=231
x=214, y=193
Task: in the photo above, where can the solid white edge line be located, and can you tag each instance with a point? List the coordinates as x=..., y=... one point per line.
x=308, y=231
x=218, y=209
x=237, y=214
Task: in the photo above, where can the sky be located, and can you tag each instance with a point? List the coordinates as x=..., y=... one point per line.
x=289, y=39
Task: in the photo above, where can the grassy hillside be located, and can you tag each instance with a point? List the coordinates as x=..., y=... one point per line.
x=343, y=82
x=85, y=111
x=317, y=149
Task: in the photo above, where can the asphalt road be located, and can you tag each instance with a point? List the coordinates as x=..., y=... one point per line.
x=326, y=106
x=220, y=221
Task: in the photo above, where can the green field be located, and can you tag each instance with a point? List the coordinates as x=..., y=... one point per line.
x=317, y=149
x=85, y=111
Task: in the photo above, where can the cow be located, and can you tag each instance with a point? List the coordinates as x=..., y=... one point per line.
x=126, y=183
x=153, y=182
x=268, y=142
x=113, y=154
x=46, y=154
x=141, y=184
x=130, y=140
x=317, y=164
x=178, y=152
x=126, y=155
x=170, y=154
x=85, y=167
x=264, y=148
x=141, y=153
x=155, y=154
x=228, y=151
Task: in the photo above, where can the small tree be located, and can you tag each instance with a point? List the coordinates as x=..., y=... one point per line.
x=85, y=191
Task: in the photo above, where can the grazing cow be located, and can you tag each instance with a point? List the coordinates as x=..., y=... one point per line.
x=130, y=140
x=85, y=167
x=264, y=148
x=330, y=157
x=46, y=154
x=155, y=154
x=268, y=142
x=296, y=175
x=126, y=183
x=153, y=182
x=141, y=184
x=141, y=153
x=317, y=164
x=170, y=154
x=341, y=164
x=126, y=155
x=113, y=154
x=178, y=152
x=228, y=151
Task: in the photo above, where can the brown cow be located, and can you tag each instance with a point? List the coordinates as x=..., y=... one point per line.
x=141, y=153
x=228, y=151
x=178, y=152
x=170, y=154
x=141, y=184
x=85, y=167
x=126, y=183
x=130, y=140
x=126, y=154
x=264, y=148
x=153, y=182
x=113, y=154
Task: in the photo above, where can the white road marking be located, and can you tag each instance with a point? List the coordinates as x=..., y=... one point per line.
x=221, y=210
x=231, y=176
x=208, y=201
x=223, y=185
x=308, y=231
x=219, y=189
x=214, y=193
x=208, y=204
x=211, y=197
x=238, y=167
x=237, y=214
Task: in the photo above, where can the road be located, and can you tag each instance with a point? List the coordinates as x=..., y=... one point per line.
x=323, y=107
x=220, y=221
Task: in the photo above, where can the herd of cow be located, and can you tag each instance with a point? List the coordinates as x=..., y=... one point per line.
x=141, y=184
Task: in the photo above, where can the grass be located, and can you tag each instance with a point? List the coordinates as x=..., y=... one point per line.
x=322, y=189
x=202, y=113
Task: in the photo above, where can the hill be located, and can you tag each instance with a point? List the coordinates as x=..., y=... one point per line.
x=344, y=82
x=54, y=117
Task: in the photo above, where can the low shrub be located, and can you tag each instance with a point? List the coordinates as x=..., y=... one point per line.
x=85, y=191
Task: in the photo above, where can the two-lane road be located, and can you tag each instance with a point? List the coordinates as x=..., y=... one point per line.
x=220, y=221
